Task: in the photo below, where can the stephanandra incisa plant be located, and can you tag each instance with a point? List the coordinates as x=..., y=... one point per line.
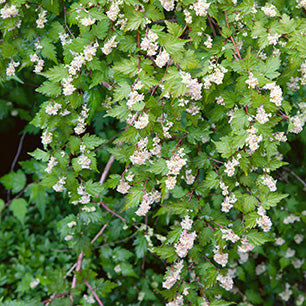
x=201, y=96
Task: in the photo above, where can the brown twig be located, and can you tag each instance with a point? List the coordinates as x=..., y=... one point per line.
x=55, y=297
x=93, y=292
x=296, y=176
x=106, y=169
x=112, y=212
x=99, y=234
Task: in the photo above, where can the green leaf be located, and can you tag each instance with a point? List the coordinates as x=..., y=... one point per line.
x=141, y=244
x=133, y=198
x=250, y=220
x=205, y=236
x=166, y=252
x=50, y=89
x=127, y=269
x=19, y=209
x=56, y=73
x=94, y=188
x=92, y=141
x=211, y=180
x=159, y=167
x=14, y=181
x=271, y=199
x=40, y=155
x=2, y=205
x=257, y=238
x=174, y=29
x=101, y=28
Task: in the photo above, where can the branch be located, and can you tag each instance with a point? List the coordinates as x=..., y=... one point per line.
x=112, y=212
x=55, y=297
x=106, y=169
x=93, y=292
x=99, y=234
x=78, y=268
x=296, y=176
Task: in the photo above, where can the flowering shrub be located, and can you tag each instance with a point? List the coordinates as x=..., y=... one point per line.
x=164, y=126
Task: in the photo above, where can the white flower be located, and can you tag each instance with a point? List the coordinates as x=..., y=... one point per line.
x=84, y=161
x=279, y=241
x=123, y=187
x=285, y=295
x=219, y=257
x=89, y=299
x=87, y=21
x=289, y=253
x=34, y=283
x=162, y=59
x=186, y=223
x=269, y=10
x=109, y=45
x=208, y=42
x=173, y=275
x=168, y=5
x=71, y=224
x=201, y=7
x=53, y=108
x=252, y=81
x=261, y=268
x=68, y=237
x=142, y=121
x=225, y=281
x=298, y=238
x=113, y=11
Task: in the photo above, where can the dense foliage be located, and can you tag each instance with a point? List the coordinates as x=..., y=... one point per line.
x=170, y=169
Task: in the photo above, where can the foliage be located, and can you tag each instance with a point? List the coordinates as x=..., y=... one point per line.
x=187, y=108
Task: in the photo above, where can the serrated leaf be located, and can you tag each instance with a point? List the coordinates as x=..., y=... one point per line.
x=159, y=167
x=14, y=181
x=56, y=73
x=140, y=244
x=50, y=89
x=257, y=238
x=133, y=198
x=19, y=209
x=40, y=155
x=271, y=199
x=92, y=141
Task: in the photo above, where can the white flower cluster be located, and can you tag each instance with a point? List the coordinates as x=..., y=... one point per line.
x=149, y=43
x=296, y=125
x=51, y=164
x=303, y=73
x=162, y=59
x=279, y=241
x=114, y=10
x=253, y=140
x=224, y=188
x=297, y=263
x=225, y=281
x=262, y=117
x=173, y=275
x=35, y=283
x=9, y=11
x=273, y=38
x=189, y=178
x=264, y=221
x=174, y=165
x=298, y=238
x=41, y=19
x=219, y=257
x=285, y=295
x=188, y=17
x=228, y=234
x=168, y=5
x=156, y=147
x=280, y=136
x=245, y=245
x=81, y=126
x=85, y=196
x=46, y=138
x=134, y=98
x=226, y=205
x=123, y=187
x=252, y=81
x=230, y=165
x=194, y=87
x=40, y=63
x=84, y=161
x=59, y=186
x=142, y=121
x=109, y=45
x=269, y=182
x=178, y=301
x=147, y=200
x=216, y=74
x=269, y=10
x=275, y=93
x=186, y=240
x=141, y=153
x=301, y=4
x=10, y=70
x=53, y=108
x=65, y=38
x=293, y=83
x=71, y=224
x=220, y=101
x=68, y=88
x=261, y=268
x=289, y=253
x=88, y=21
x=89, y=299
x=208, y=42
x=291, y=219
x=201, y=7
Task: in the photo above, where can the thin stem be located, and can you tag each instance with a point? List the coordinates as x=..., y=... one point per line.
x=78, y=268
x=99, y=234
x=112, y=212
x=93, y=292
x=106, y=169
x=55, y=297
x=296, y=176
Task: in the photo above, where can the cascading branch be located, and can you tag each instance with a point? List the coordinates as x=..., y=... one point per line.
x=202, y=88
